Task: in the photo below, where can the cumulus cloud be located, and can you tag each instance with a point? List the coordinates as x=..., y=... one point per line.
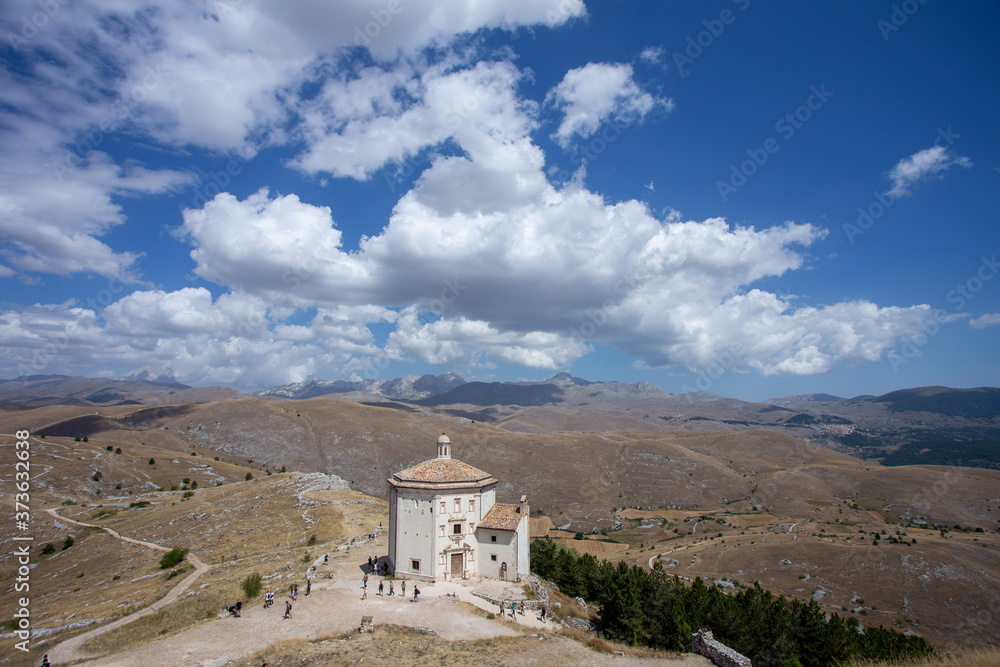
x=477, y=284
x=922, y=165
x=483, y=262
x=407, y=111
x=223, y=76
x=595, y=93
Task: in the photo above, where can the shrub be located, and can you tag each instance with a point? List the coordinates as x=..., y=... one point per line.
x=67, y=543
x=110, y=448
x=172, y=557
x=251, y=585
x=152, y=461
x=249, y=476
x=118, y=450
x=48, y=549
x=312, y=540
x=188, y=494
x=97, y=476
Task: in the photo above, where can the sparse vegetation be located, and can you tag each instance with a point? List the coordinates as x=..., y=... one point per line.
x=251, y=585
x=67, y=543
x=172, y=558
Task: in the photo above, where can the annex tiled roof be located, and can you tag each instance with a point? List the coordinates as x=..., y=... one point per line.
x=502, y=517
x=442, y=471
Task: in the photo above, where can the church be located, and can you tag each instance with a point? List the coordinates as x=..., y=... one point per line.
x=445, y=523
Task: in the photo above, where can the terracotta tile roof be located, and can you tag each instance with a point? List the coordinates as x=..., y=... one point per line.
x=502, y=517
x=444, y=471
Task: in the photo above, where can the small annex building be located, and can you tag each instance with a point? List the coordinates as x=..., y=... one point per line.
x=445, y=523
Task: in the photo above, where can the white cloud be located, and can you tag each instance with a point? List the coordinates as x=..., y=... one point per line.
x=652, y=55
x=475, y=106
x=222, y=75
x=532, y=282
x=482, y=263
x=984, y=321
x=920, y=166
x=595, y=93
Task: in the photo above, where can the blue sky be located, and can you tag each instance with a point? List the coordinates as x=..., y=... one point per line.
x=747, y=198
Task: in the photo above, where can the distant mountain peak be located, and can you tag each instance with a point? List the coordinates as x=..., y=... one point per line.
x=567, y=380
x=160, y=374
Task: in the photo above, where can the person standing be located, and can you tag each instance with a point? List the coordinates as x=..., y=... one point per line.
x=288, y=609
x=380, y=584
x=391, y=592
x=402, y=589
x=308, y=586
x=416, y=593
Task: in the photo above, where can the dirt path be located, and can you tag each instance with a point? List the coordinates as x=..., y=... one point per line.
x=333, y=608
x=69, y=650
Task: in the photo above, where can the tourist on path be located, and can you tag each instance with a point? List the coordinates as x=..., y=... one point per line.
x=416, y=592
x=402, y=589
x=308, y=586
x=391, y=592
x=288, y=609
x=380, y=588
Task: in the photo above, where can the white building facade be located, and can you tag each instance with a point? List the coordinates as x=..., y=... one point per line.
x=445, y=523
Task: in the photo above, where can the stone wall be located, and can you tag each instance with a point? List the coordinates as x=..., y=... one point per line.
x=720, y=654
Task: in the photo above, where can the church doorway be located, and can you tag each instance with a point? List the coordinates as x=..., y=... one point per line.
x=456, y=565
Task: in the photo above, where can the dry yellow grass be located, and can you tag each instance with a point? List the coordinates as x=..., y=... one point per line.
x=391, y=646
x=986, y=657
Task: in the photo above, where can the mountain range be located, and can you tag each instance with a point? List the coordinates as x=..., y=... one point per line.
x=929, y=425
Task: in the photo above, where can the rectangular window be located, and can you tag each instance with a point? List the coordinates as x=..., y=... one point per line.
x=442, y=531
x=456, y=529
x=414, y=565
x=443, y=508
x=472, y=528
x=493, y=557
x=458, y=504
x=442, y=559
x=472, y=505
x=493, y=538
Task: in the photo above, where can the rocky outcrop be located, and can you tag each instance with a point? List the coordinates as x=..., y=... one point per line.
x=720, y=654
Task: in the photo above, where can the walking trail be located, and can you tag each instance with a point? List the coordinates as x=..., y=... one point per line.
x=69, y=650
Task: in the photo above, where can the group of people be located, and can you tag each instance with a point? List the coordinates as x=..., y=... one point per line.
x=519, y=609
x=392, y=589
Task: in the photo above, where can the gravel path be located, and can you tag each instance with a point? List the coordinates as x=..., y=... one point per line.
x=69, y=650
